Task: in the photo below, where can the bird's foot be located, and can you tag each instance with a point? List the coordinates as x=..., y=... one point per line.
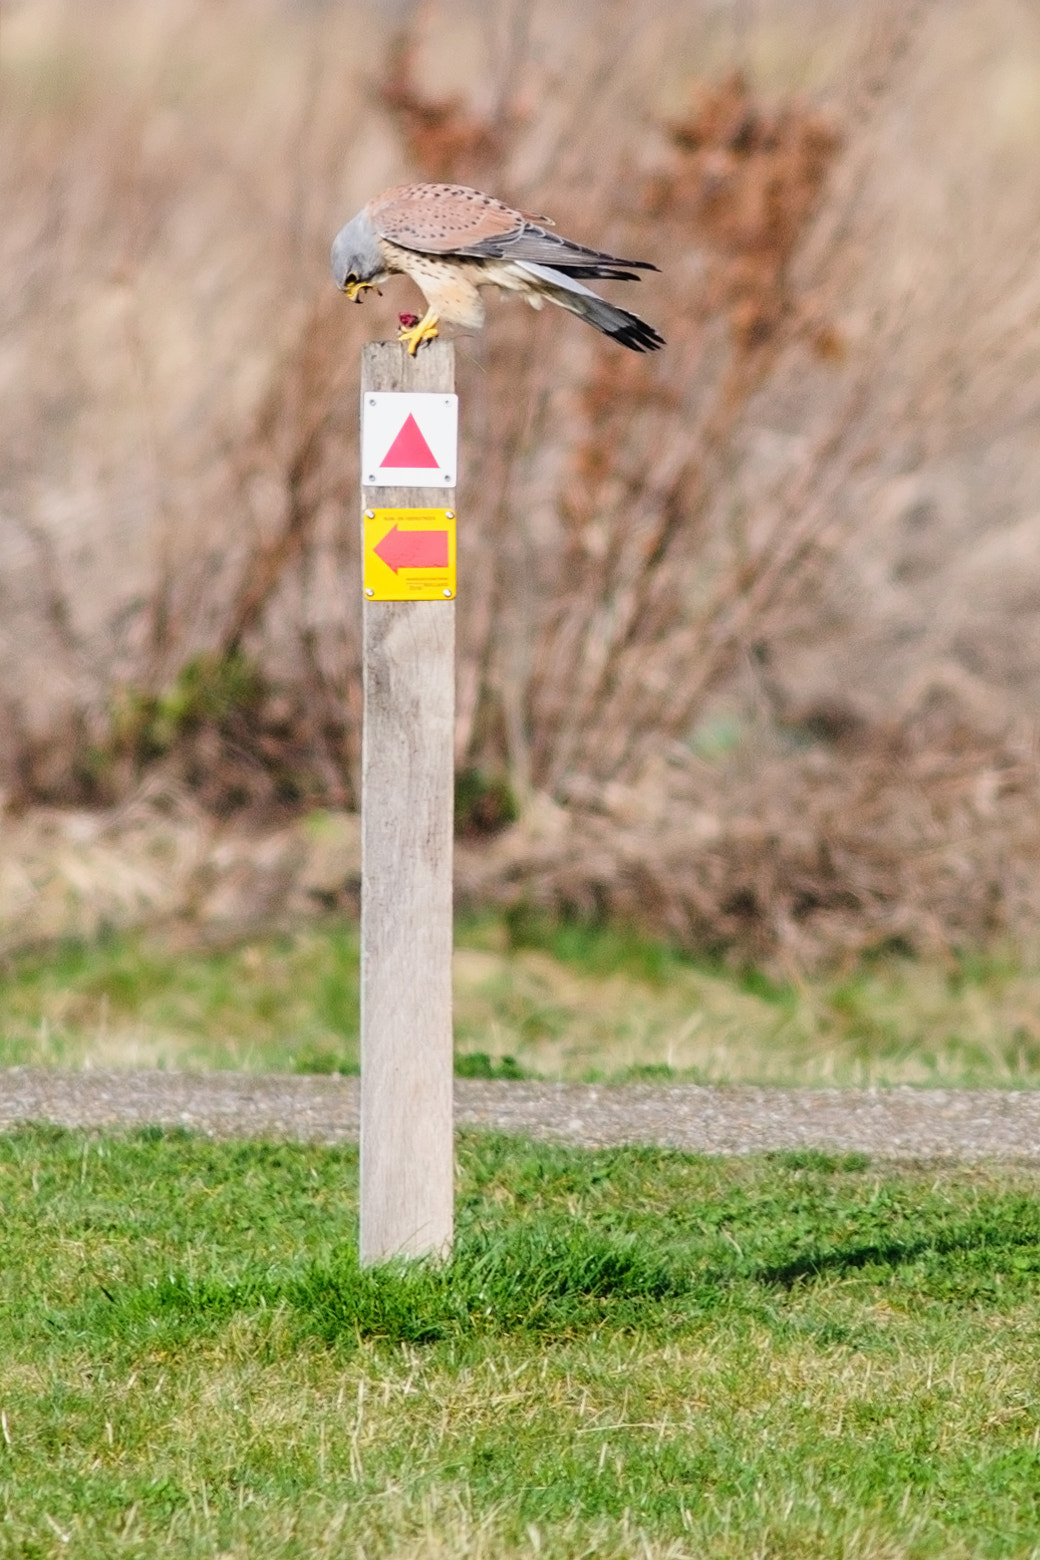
x=424, y=330
x=354, y=290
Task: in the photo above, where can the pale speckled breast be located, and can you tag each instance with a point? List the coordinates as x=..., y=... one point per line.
x=449, y=285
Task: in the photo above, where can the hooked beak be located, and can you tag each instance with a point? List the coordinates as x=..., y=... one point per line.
x=354, y=290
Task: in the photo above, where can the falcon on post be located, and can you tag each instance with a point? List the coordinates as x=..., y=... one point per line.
x=452, y=241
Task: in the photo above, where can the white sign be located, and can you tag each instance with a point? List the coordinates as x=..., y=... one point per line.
x=409, y=440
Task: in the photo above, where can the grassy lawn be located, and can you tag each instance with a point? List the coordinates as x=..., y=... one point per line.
x=633, y=1353
x=552, y=1000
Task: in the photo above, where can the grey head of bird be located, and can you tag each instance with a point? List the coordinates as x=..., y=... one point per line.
x=357, y=260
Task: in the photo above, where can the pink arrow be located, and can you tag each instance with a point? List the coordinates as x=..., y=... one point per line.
x=413, y=549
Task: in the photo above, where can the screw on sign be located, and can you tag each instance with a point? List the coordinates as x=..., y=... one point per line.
x=408, y=554
x=409, y=440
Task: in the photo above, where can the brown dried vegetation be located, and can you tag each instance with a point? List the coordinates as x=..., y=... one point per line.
x=746, y=181
x=443, y=139
x=644, y=558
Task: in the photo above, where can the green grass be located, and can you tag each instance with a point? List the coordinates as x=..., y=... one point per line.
x=288, y=1003
x=631, y=1353
x=532, y=997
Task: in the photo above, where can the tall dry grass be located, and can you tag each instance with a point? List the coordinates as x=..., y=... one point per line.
x=649, y=545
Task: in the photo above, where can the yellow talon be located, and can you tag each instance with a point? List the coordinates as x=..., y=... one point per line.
x=426, y=330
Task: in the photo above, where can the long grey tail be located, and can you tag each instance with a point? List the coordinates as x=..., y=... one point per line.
x=626, y=328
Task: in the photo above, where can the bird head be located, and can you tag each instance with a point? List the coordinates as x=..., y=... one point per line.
x=357, y=260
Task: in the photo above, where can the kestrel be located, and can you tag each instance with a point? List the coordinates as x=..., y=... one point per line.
x=452, y=241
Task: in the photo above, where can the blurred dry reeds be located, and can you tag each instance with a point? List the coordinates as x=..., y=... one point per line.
x=747, y=628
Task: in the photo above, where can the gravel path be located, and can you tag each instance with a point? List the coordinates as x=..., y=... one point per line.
x=890, y=1123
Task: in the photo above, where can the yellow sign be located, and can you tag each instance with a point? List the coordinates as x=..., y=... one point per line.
x=409, y=554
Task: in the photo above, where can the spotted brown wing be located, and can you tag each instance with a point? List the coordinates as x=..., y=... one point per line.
x=442, y=219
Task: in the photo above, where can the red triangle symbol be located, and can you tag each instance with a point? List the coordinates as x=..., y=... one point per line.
x=409, y=448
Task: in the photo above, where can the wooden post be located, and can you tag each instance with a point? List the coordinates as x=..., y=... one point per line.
x=407, y=826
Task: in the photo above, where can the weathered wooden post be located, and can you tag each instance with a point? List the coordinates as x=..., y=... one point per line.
x=407, y=799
